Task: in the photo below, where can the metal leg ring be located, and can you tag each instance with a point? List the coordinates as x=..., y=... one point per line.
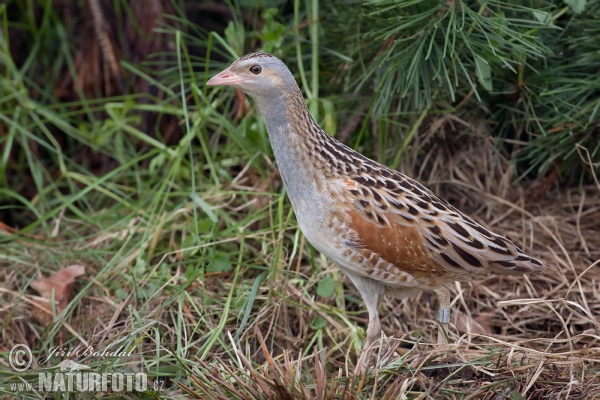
x=444, y=315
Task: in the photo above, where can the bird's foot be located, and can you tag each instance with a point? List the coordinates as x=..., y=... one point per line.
x=370, y=353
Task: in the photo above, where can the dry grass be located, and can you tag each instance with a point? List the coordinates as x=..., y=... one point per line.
x=219, y=295
x=510, y=337
x=268, y=329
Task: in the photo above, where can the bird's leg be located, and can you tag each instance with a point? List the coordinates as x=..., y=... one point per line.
x=443, y=295
x=373, y=329
x=373, y=334
x=371, y=292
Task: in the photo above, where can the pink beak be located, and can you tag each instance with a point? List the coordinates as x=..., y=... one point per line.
x=225, y=78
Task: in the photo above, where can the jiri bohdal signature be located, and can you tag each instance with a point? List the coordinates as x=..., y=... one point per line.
x=89, y=351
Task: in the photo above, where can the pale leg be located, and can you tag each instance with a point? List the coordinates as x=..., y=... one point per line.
x=371, y=292
x=443, y=295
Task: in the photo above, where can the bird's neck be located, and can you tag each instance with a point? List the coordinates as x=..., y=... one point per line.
x=296, y=140
x=292, y=130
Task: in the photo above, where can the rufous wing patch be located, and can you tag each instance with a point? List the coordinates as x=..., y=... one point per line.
x=415, y=230
x=400, y=245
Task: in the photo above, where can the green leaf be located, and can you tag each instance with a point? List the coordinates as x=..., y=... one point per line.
x=241, y=296
x=484, y=73
x=190, y=242
x=204, y=225
x=220, y=263
x=273, y=32
x=219, y=266
x=234, y=36
x=147, y=291
x=325, y=288
x=515, y=395
x=157, y=163
x=140, y=267
x=544, y=17
x=204, y=206
x=121, y=294
x=576, y=5
x=318, y=323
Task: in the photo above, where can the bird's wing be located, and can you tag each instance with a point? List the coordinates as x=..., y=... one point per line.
x=403, y=222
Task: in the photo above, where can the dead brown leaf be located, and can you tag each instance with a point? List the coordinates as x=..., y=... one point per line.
x=481, y=324
x=61, y=283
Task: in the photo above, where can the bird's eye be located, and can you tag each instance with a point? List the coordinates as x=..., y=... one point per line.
x=255, y=69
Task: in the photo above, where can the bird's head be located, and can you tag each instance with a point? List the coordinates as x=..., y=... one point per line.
x=257, y=74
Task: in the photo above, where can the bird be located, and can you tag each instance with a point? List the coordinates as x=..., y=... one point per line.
x=387, y=232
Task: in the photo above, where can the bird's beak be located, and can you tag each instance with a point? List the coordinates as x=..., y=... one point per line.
x=225, y=78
